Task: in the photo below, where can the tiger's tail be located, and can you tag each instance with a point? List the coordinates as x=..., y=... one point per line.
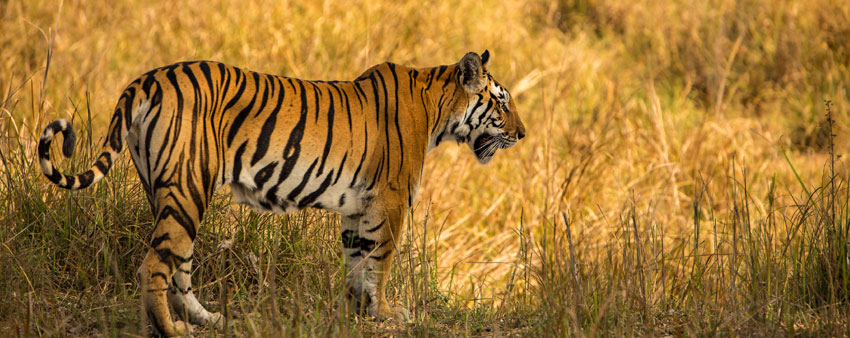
x=118, y=130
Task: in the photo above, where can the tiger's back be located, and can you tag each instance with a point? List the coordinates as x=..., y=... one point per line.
x=291, y=144
x=283, y=144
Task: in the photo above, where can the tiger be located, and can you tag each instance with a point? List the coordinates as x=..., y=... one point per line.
x=282, y=144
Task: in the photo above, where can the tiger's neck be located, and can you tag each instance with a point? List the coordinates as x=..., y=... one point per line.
x=439, y=101
x=426, y=97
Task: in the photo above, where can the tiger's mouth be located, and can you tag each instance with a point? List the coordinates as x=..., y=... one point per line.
x=485, y=146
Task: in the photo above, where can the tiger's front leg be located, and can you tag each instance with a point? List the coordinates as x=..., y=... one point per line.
x=350, y=237
x=369, y=255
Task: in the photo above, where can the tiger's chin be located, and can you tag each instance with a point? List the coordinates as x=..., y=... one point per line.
x=484, y=159
x=485, y=147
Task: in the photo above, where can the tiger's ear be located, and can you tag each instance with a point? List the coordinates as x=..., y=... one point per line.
x=485, y=57
x=470, y=72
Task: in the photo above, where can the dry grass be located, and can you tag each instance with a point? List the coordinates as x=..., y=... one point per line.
x=678, y=178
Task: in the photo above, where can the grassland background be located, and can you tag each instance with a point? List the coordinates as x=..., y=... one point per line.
x=684, y=142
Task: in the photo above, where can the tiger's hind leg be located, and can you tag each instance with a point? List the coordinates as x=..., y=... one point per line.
x=170, y=250
x=165, y=274
x=183, y=300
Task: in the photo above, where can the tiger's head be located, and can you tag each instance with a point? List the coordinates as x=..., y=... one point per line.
x=488, y=117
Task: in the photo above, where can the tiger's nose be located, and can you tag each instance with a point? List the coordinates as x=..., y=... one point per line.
x=520, y=134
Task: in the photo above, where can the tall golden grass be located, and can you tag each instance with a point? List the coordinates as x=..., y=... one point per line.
x=657, y=131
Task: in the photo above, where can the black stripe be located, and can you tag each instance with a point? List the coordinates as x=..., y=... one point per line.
x=156, y=241
x=161, y=275
x=375, y=228
x=377, y=172
x=411, y=80
x=205, y=69
x=195, y=85
x=128, y=107
x=85, y=179
x=113, y=138
x=181, y=217
x=264, y=139
x=108, y=158
x=486, y=109
x=316, y=93
x=368, y=245
x=264, y=174
x=344, y=97
x=409, y=193
x=56, y=177
x=480, y=99
x=240, y=118
x=449, y=80
x=237, y=161
x=165, y=142
x=149, y=134
x=361, y=94
x=273, y=80
x=381, y=257
x=340, y=167
x=329, y=138
x=156, y=100
x=68, y=142
x=431, y=78
x=363, y=154
x=239, y=92
x=55, y=127
x=315, y=194
x=397, y=126
x=103, y=168
x=294, y=193
x=224, y=81
x=271, y=195
x=69, y=181
x=265, y=100
x=442, y=70
x=147, y=83
x=171, y=259
x=293, y=145
x=44, y=150
x=388, y=148
x=176, y=122
x=194, y=192
x=442, y=100
x=374, y=83
x=177, y=287
x=439, y=138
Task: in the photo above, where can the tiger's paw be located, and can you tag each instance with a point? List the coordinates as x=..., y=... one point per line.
x=401, y=315
x=216, y=320
x=181, y=329
x=395, y=314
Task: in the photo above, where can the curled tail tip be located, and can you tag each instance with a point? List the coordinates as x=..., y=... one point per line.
x=69, y=142
x=64, y=181
x=50, y=131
